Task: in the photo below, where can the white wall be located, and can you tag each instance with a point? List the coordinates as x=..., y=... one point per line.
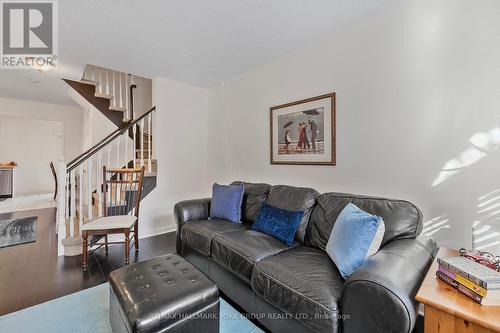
x=28, y=136
x=180, y=135
x=70, y=116
x=413, y=85
x=32, y=148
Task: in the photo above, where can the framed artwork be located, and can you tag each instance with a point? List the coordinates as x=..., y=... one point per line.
x=303, y=132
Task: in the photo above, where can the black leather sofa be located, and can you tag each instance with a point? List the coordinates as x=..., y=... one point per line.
x=298, y=288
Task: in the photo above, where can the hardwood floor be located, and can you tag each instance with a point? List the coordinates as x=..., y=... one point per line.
x=33, y=273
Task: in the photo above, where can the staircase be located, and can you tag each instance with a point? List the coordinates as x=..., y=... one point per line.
x=80, y=195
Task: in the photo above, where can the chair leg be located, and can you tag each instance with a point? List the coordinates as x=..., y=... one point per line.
x=127, y=245
x=136, y=236
x=106, y=244
x=85, y=251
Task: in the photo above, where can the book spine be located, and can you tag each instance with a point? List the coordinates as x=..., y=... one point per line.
x=466, y=291
x=461, y=272
x=463, y=281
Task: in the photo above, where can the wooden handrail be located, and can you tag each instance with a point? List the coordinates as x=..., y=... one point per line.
x=76, y=159
x=104, y=142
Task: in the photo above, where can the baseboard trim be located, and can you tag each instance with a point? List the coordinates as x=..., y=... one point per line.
x=158, y=231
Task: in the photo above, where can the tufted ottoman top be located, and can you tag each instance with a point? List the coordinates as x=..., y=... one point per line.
x=161, y=291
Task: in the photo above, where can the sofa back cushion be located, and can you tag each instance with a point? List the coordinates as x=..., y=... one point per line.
x=255, y=194
x=294, y=199
x=402, y=219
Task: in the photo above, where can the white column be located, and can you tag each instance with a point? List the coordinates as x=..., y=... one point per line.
x=61, y=204
x=67, y=196
x=90, y=188
x=73, y=204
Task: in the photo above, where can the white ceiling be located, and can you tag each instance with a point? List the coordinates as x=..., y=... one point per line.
x=198, y=42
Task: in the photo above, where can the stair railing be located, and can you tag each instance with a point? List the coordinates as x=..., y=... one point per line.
x=80, y=194
x=111, y=83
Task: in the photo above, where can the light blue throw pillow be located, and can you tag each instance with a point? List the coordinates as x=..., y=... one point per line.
x=226, y=202
x=356, y=235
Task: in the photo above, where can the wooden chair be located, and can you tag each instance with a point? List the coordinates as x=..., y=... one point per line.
x=121, y=196
x=53, y=169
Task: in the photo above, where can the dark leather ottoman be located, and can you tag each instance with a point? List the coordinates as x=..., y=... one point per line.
x=163, y=294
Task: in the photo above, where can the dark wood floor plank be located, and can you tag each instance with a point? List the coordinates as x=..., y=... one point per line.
x=32, y=273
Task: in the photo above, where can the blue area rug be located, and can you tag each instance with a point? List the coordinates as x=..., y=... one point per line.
x=88, y=311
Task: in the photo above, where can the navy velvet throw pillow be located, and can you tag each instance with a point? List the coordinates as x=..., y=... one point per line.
x=226, y=202
x=280, y=223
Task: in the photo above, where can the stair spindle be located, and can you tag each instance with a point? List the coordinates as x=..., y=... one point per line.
x=120, y=100
x=142, y=141
x=113, y=90
x=118, y=163
x=107, y=83
x=126, y=139
x=126, y=114
x=149, y=143
x=92, y=73
x=67, y=197
x=134, y=134
x=80, y=197
x=90, y=187
x=99, y=183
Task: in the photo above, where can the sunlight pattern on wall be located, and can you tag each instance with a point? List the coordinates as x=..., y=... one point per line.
x=436, y=224
x=481, y=144
x=486, y=227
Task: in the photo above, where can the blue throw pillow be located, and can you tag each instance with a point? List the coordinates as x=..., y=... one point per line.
x=226, y=202
x=280, y=223
x=355, y=236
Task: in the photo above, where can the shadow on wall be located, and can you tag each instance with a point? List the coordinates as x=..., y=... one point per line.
x=482, y=143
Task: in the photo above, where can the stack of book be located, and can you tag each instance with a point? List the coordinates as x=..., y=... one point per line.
x=478, y=282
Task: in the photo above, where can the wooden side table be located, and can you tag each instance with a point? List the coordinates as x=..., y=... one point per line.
x=448, y=310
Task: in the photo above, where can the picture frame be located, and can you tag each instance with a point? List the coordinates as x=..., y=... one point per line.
x=303, y=132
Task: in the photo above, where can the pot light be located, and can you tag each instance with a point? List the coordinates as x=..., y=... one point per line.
x=42, y=68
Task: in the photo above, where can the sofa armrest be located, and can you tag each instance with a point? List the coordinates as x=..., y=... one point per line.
x=380, y=295
x=189, y=210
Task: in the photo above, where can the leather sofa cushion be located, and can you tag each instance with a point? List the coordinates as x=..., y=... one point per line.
x=198, y=235
x=239, y=251
x=301, y=281
x=294, y=199
x=255, y=194
x=402, y=219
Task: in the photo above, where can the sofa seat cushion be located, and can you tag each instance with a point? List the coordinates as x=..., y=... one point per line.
x=198, y=235
x=301, y=281
x=239, y=251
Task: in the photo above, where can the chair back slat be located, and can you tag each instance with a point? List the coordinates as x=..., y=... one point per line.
x=122, y=190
